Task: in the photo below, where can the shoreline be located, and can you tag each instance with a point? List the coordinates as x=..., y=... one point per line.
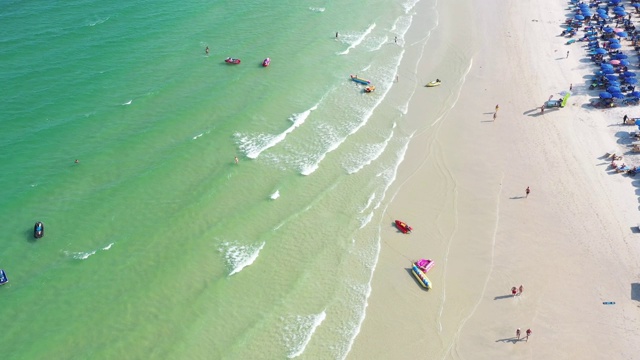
x=570, y=243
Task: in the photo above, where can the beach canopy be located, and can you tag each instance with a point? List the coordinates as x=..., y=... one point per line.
x=605, y=95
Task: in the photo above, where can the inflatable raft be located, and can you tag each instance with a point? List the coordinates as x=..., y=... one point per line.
x=38, y=230
x=421, y=276
x=402, y=226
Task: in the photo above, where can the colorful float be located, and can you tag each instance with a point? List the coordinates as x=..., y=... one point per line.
x=266, y=62
x=370, y=88
x=425, y=264
x=421, y=276
x=232, y=61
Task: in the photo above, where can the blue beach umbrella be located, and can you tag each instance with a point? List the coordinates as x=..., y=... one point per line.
x=638, y=122
x=620, y=56
x=601, y=51
x=617, y=95
x=605, y=95
x=614, y=40
x=613, y=89
x=608, y=71
x=631, y=81
x=608, y=30
x=579, y=17
x=629, y=74
x=614, y=83
x=604, y=16
x=620, y=13
x=624, y=62
x=614, y=2
x=635, y=5
x=618, y=8
x=636, y=94
x=622, y=34
x=615, y=46
x=611, y=77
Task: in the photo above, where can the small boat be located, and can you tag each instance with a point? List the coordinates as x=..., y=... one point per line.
x=433, y=83
x=266, y=62
x=370, y=88
x=3, y=277
x=38, y=230
x=403, y=227
x=359, y=80
x=421, y=276
x=425, y=264
x=232, y=61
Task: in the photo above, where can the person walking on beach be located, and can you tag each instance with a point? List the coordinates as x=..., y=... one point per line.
x=528, y=334
x=542, y=109
x=567, y=54
x=570, y=87
x=526, y=196
x=495, y=115
x=518, y=333
x=236, y=159
x=520, y=290
x=497, y=107
x=624, y=119
x=514, y=291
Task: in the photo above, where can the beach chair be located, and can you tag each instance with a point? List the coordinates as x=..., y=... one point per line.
x=635, y=148
x=630, y=121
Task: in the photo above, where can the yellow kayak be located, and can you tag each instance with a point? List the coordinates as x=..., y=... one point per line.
x=434, y=83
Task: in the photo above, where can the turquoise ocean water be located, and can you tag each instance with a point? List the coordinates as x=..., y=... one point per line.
x=157, y=245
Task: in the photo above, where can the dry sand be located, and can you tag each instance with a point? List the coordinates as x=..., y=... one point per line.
x=572, y=243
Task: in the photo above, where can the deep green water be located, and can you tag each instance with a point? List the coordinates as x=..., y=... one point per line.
x=149, y=238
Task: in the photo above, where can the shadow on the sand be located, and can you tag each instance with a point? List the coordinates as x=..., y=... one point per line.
x=512, y=340
x=635, y=291
x=517, y=197
x=502, y=297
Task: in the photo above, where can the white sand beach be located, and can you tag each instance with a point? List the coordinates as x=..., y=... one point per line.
x=573, y=243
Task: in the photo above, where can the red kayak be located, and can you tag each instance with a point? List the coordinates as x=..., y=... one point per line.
x=232, y=61
x=403, y=227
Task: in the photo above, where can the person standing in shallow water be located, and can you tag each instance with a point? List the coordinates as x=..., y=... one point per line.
x=206, y=50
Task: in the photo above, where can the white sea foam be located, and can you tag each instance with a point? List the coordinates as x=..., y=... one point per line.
x=127, y=103
x=409, y=5
x=98, y=22
x=253, y=147
x=365, y=220
x=358, y=39
x=334, y=140
x=79, y=255
x=299, y=330
x=275, y=195
x=316, y=9
x=369, y=201
x=197, y=136
x=240, y=256
x=366, y=155
x=379, y=42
